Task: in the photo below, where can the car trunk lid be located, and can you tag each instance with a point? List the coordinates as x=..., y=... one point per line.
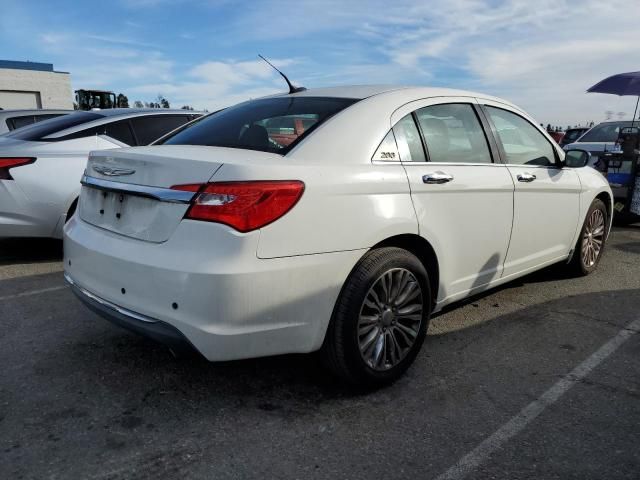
x=128, y=191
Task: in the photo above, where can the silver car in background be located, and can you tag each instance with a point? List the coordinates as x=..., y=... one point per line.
x=41, y=165
x=12, y=119
x=599, y=139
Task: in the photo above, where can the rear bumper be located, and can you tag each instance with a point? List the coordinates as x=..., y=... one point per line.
x=207, y=283
x=155, y=329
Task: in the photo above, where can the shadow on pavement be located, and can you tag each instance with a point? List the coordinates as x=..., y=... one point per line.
x=29, y=250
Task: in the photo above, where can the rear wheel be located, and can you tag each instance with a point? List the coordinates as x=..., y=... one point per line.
x=380, y=320
x=590, y=244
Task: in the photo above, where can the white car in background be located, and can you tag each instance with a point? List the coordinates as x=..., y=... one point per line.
x=41, y=165
x=333, y=219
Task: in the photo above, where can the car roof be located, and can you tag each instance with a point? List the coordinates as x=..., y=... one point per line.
x=112, y=112
x=361, y=92
x=34, y=111
x=614, y=122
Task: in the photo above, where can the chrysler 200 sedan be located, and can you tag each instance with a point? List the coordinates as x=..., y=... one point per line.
x=332, y=219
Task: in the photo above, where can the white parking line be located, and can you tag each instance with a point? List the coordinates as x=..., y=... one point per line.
x=32, y=292
x=514, y=426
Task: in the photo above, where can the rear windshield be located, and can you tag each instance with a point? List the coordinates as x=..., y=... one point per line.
x=38, y=131
x=605, y=132
x=268, y=125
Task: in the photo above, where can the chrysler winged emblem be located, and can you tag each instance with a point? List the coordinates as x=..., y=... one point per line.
x=112, y=171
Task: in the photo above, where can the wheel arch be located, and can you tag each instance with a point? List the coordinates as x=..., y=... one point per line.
x=72, y=208
x=421, y=248
x=606, y=198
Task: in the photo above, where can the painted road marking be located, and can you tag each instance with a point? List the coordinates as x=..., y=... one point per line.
x=32, y=292
x=482, y=452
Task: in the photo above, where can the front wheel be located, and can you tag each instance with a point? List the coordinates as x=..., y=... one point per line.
x=590, y=244
x=380, y=320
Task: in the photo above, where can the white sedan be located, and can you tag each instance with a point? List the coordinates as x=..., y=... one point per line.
x=332, y=219
x=41, y=164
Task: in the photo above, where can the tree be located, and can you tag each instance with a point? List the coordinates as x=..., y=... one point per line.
x=186, y=107
x=122, y=101
x=548, y=127
x=138, y=104
x=162, y=102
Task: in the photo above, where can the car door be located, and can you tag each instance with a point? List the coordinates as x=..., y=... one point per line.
x=462, y=195
x=546, y=199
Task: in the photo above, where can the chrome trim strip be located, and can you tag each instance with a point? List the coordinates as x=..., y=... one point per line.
x=157, y=193
x=107, y=304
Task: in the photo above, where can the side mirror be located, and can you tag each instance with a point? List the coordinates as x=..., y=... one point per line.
x=576, y=158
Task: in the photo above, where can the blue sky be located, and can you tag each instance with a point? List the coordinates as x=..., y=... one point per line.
x=539, y=54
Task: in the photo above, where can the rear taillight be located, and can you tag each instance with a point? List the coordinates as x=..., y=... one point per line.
x=7, y=164
x=244, y=206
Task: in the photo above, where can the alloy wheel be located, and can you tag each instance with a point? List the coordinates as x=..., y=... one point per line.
x=390, y=319
x=593, y=238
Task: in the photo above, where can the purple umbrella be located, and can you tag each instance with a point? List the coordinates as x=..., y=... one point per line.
x=620, y=84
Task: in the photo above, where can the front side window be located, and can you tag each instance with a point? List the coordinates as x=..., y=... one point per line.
x=523, y=144
x=453, y=134
x=269, y=125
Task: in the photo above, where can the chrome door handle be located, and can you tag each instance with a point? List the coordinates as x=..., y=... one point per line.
x=526, y=177
x=436, y=178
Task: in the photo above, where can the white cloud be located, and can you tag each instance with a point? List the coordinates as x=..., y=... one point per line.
x=541, y=54
x=217, y=84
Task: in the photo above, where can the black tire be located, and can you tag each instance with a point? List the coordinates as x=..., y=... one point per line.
x=72, y=210
x=578, y=265
x=341, y=350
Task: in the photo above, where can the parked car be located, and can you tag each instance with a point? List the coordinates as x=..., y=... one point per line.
x=557, y=136
x=599, y=139
x=389, y=204
x=41, y=165
x=572, y=135
x=12, y=119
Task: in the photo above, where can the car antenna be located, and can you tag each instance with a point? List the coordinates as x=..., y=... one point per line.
x=292, y=89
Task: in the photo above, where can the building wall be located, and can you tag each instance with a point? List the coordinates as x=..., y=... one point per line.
x=34, y=89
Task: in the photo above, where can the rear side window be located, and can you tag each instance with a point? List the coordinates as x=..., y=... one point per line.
x=150, y=128
x=23, y=121
x=119, y=130
x=453, y=134
x=38, y=131
x=19, y=122
x=408, y=140
x=268, y=125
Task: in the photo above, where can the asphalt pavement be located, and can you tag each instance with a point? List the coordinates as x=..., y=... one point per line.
x=539, y=379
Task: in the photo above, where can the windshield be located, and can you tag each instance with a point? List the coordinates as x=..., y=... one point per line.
x=268, y=125
x=38, y=131
x=605, y=132
x=573, y=135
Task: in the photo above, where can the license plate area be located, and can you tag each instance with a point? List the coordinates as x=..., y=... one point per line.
x=131, y=215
